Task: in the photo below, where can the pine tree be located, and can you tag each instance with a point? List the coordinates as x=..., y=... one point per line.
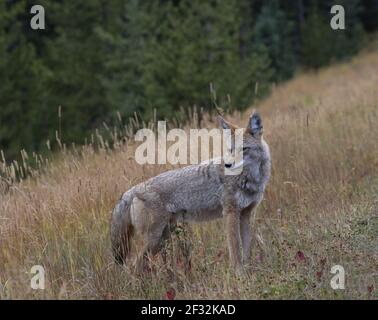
x=22, y=78
x=124, y=59
x=316, y=39
x=347, y=42
x=273, y=30
x=186, y=46
x=75, y=55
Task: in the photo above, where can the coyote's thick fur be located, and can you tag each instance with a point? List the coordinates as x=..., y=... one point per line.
x=196, y=193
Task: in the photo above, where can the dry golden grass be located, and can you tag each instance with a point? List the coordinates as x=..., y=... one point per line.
x=320, y=208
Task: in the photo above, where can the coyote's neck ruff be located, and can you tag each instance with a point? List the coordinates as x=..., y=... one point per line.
x=196, y=193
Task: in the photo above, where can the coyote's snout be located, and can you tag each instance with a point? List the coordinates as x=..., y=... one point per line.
x=196, y=193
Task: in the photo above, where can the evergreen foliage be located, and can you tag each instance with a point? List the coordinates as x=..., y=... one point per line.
x=98, y=57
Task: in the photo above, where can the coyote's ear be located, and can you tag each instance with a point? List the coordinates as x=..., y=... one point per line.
x=255, y=126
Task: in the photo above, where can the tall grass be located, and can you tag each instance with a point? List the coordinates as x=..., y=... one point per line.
x=320, y=208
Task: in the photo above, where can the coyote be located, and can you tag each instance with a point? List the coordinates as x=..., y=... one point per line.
x=196, y=193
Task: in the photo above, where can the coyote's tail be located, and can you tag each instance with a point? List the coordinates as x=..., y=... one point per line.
x=121, y=230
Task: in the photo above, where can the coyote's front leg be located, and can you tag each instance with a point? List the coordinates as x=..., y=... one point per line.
x=245, y=234
x=245, y=231
x=232, y=217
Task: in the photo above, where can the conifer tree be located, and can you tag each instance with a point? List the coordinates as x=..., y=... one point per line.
x=273, y=30
x=21, y=80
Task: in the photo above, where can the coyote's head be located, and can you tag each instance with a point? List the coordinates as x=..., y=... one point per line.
x=248, y=149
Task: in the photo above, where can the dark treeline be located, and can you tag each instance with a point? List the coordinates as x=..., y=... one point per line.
x=98, y=57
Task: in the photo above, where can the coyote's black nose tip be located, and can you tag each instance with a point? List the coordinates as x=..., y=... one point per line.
x=228, y=165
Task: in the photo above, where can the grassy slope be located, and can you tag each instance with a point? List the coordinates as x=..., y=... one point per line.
x=320, y=208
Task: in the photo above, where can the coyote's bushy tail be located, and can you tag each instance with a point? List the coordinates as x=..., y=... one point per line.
x=121, y=230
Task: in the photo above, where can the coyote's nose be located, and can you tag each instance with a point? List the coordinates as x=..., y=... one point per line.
x=228, y=165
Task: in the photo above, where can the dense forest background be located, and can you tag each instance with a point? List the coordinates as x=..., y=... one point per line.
x=96, y=58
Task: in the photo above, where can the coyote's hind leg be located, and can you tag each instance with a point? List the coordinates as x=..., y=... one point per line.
x=153, y=240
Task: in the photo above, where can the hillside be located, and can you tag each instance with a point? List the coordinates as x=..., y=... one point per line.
x=320, y=208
